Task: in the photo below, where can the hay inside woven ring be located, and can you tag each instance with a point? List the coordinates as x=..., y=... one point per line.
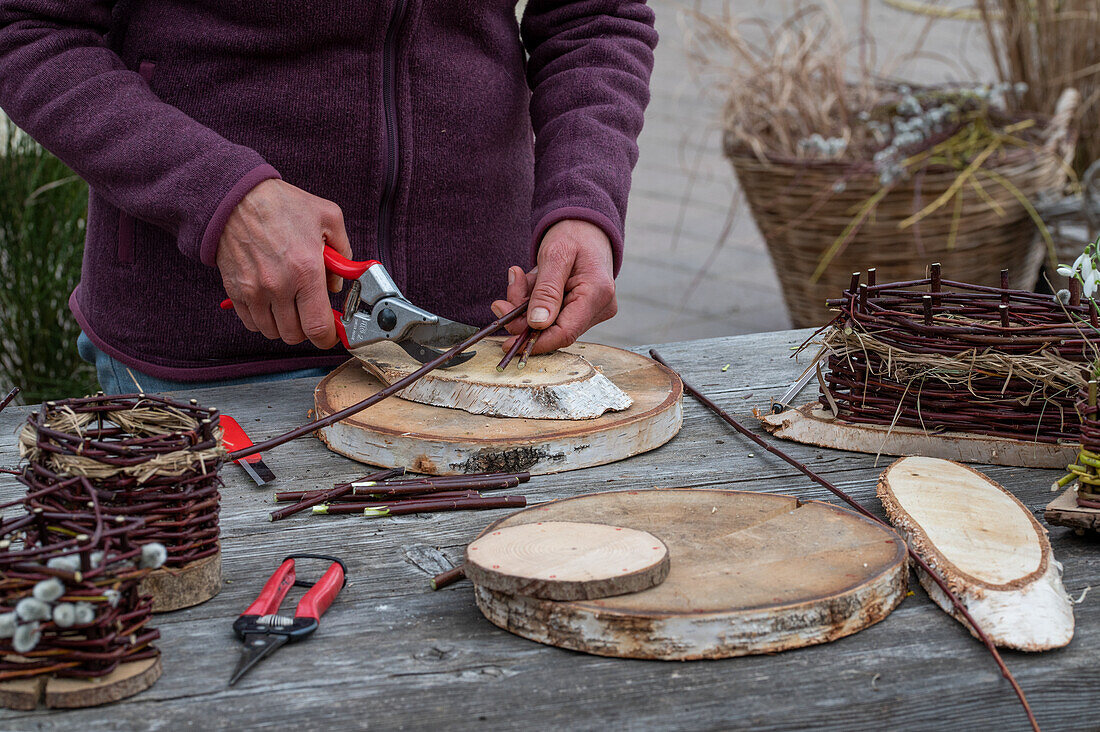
x=138, y=421
x=1049, y=374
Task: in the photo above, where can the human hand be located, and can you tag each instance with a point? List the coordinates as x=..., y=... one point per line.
x=572, y=288
x=270, y=259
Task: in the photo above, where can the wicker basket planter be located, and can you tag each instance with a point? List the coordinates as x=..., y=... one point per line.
x=803, y=206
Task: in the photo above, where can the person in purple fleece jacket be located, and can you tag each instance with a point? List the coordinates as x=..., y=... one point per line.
x=225, y=141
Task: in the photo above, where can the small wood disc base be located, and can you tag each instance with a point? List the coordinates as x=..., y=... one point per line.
x=567, y=560
x=1064, y=511
x=56, y=692
x=750, y=573
x=191, y=584
x=442, y=441
x=811, y=425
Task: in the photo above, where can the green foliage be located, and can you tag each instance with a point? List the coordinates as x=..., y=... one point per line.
x=42, y=219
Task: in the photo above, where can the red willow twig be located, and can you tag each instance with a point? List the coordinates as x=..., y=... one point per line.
x=7, y=400
x=521, y=339
x=381, y=393
x=858, y=507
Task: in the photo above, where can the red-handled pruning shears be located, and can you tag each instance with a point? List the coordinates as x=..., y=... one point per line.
x=263, y=630
x=375, y=310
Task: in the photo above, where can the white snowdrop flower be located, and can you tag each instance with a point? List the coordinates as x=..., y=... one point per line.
x=153, y=555
x=64, y=614
x=1065, y=270
x=1062, y=296
x=113, y=596
x=26, y=637
x=70, y=563
x=30, y=608
x=1088, y=287
x=85, y=612
x=7, y=625
x=49, y=590
x=1086, y=268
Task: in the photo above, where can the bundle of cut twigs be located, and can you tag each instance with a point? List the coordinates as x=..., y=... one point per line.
x=144, y=456
x=949, y=356
x=69, y=596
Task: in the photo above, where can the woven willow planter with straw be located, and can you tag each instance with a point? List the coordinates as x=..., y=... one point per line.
x=802, y=211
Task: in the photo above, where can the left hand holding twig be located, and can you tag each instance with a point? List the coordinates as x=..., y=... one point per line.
x=572, y=288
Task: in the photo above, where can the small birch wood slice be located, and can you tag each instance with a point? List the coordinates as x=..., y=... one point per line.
x=440, y=441
x=811, y=425
x=70, y=693
x=750, y=573
x=567, y=560
x=986, y=545
x=1064, y=511
x=177, y=588
x=557, y=385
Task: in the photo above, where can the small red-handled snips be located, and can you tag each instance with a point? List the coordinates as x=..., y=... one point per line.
x=263, y=630
x=234, y=438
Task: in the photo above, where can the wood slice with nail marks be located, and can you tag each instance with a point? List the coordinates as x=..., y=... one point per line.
x=1064, y=511
x=71, y=693
x=567, y=560
x=175, y=588
x=811, y=425
x=440, y=441
x=749, y=573
x=986, y=545
x=557, y=385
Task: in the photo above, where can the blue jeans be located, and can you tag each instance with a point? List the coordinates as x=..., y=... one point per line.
x=114, y=376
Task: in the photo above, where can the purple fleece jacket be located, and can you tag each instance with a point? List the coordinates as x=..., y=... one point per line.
x=450, y=137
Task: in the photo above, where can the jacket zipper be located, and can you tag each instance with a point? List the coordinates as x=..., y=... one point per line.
x=389, y=107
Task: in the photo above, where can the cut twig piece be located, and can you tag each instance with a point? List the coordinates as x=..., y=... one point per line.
x=445, y=579
x=528, y=348
x=558, y=385
x=567, y=560
x=991, y=551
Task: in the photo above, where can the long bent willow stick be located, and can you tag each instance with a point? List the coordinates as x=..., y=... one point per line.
x=381, y=394
x=854, y=504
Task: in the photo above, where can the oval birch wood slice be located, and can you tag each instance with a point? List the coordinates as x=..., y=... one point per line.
x=557, y=385
x=69, y=693
x=750, y=573
x=191, y=584
x=441, y=441
x=811, y=425
x=986, y=545
x=567, y=560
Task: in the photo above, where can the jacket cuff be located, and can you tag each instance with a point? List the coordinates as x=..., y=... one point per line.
x=593, y=217
x=208, y=250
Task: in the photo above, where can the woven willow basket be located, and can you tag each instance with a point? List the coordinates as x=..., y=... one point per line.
x=801, y=215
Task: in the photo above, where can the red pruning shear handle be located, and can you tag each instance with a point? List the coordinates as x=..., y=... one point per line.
x=263, y=630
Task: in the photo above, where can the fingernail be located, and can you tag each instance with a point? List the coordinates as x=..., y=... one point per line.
x=511, y=276
x=540, y=315
x=496, y=311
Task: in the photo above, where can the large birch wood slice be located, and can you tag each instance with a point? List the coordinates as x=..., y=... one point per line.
x=986, y=545
x=71, y=693
x=811, y=425
x=441, y=441
x=1064, y=511
x=567, y=560
x=750, y=573
x=557, y=385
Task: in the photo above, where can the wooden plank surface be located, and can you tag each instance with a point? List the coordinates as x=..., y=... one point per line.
x=391, y=653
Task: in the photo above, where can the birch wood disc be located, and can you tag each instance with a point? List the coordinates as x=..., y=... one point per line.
x=176, y=588
x=557, y=385
x=567, y=560
x=441, y=441
x=69, y=693
x=1064, y=511
x=750, y=573
x=986, y=545
x=811, y=425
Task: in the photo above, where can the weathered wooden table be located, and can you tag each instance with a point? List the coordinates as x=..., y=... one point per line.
x=391, y=653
